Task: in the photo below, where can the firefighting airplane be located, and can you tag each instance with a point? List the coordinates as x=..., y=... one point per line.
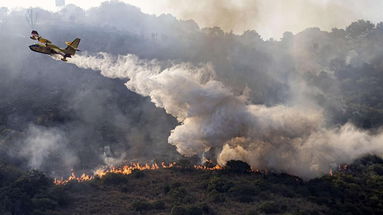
x=47, y=47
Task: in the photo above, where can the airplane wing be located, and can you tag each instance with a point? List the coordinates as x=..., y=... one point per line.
x=43, y=40
x=35, y=36
x=56, y=49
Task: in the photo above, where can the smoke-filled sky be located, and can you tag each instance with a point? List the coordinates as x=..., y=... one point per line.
x=270, y=18
x=148, y=87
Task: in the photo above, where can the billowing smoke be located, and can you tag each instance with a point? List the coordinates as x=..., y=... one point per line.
x=291, y=139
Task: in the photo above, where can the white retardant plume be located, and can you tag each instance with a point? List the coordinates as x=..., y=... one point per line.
x=280, y=138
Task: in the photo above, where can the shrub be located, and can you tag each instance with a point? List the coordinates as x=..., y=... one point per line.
x=206, y=209
x=252, y=212
x=166, y=188
x=270, y=207
x=141, y=205
x=284, y=190
x=33, y=182
x=236, y=166
x=114, y=179
x=180, y=195
x=60, y=195
x=220, y=185
x=176, y=184
x=30, y=193
x=194, y=211
x=44, y=203
x=159, y=205
x=40, y=212
x=138, y=173
x=178, y=210
x=378, y=169
x=125, y=189
x=243, y=193
x=216, y=197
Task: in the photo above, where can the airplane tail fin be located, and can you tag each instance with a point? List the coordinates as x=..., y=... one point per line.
x=72, y=46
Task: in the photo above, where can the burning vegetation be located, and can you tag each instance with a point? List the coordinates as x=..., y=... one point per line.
x=177, y=188
x=129, y=169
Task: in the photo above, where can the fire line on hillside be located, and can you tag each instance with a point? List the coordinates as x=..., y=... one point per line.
x=127, y=170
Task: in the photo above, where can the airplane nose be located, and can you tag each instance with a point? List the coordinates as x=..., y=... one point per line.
x=32, y=47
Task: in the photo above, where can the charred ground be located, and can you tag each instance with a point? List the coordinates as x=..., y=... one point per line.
x=183, y=190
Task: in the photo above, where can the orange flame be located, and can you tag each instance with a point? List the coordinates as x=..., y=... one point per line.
x=202, y=167
x=125, y=170
x=128, y=169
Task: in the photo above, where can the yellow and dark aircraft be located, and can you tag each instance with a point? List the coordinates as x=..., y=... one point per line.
x=47, y=47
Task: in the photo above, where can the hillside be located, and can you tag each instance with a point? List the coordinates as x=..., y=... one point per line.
x=357, y=189
x=151, y=88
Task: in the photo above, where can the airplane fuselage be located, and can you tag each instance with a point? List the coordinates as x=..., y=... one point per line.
x=42, y=49
x=49, y=49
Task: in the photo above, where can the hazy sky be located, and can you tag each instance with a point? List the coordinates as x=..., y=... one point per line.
x=269, y=17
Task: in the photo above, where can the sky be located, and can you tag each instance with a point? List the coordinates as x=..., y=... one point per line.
x=270, y=18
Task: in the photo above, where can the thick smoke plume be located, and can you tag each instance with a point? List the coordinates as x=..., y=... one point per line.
x=292, y=139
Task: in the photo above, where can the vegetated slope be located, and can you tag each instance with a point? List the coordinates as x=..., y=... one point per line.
x=358, y=189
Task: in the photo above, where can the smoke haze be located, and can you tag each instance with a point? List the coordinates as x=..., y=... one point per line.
x=41, y=144
x=271, y=18
x=280, y=138
x=301, y=105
